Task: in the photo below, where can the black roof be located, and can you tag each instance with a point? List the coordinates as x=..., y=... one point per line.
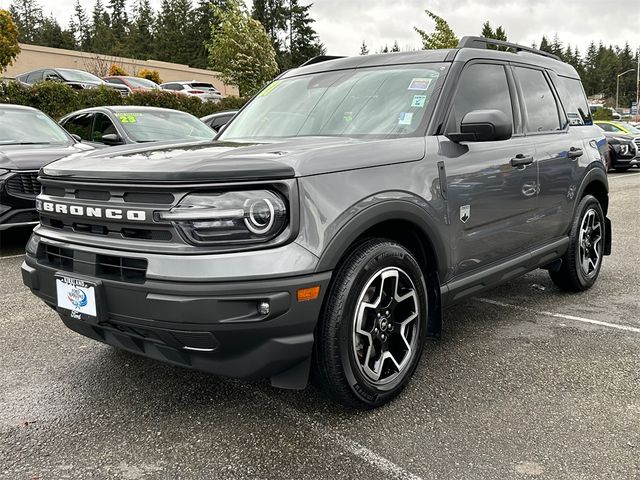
x=464, y=53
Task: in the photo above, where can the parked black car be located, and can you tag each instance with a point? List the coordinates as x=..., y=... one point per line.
x=29, y=139
x=119, y=125
x=333, y=220
x=218, y=120
x=77, y=79
x=622, y=153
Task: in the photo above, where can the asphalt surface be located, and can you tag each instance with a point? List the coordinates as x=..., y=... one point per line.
x=524, y=384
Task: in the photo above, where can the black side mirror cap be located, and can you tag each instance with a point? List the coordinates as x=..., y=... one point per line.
x=483, y=126
x=112, y=139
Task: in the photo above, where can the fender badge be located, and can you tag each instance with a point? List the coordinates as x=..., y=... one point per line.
x=465, y=213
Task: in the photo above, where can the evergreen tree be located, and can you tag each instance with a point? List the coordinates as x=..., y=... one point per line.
x=497, y=34
x=102, y=38
x=27, y=15
x=79, y=26
x=141, y=38
x=395, y=47
x=50, y=34
x=174, y=24
x=442, y=36
x=303, y=39
x=364, y=50
x=119, y=27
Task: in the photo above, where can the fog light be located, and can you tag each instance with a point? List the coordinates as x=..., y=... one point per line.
x=264, y=308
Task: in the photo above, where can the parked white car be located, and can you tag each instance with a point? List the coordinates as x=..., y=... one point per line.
x=203, y=90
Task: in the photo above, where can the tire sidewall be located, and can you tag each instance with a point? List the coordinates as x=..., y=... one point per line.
x=587, y=203
x=386, y=255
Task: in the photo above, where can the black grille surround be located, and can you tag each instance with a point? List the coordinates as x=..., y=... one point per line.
x=23, y=184
x=146, y=234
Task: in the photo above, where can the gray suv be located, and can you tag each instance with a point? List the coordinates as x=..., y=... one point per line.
x=329, y=224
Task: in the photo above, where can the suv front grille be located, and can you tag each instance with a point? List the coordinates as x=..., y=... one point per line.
x=24, y=184
x=110, y=267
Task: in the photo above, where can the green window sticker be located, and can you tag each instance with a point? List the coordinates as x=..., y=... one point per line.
x=270, y=88
x=419, y=101
x=127, y=118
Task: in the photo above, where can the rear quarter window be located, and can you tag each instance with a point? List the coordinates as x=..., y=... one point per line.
x=573, y=100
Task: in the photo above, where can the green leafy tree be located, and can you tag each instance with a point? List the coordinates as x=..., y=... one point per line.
x=273, y=15
x=9, y=47
x=364, y=50
x=441, y=37
x=241, y=50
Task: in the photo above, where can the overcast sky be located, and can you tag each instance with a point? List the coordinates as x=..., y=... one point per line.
x=344, y=24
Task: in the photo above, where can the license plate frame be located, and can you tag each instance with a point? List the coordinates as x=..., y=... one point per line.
x=78, y=298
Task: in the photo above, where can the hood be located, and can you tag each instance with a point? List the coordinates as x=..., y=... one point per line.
x=34, y=157
x=616, y=137
x=231, y=161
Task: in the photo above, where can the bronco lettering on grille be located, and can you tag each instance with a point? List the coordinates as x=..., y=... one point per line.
x=95, y=212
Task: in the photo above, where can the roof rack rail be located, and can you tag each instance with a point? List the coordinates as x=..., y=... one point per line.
x=320, y=58
x=481, y=42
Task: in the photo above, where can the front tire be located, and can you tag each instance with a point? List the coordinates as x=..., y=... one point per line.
x=581, y=264
x=372, y=331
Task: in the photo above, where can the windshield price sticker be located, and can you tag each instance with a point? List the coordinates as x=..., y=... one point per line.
x=127, y=118
x=421, y=84
x=270, y=88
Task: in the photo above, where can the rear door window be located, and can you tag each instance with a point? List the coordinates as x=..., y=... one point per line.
x=35, y=77
x=80, y=125
x=483, y=86
x=539, y=102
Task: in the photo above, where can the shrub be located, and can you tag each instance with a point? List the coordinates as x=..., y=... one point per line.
x=152, y=75
x=603, y=114
x=58, y=99
x=115, y=70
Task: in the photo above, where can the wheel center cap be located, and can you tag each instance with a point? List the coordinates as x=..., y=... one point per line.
x=384, y=324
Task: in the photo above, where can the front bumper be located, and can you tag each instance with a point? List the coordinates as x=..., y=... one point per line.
x=209, y=326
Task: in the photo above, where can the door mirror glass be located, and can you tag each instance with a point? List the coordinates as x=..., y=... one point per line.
x=483, y=126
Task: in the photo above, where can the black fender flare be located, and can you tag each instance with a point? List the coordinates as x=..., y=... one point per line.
x=595, y=175
x=381, y=212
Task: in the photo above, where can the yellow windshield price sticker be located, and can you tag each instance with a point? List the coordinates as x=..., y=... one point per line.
x=270, y=88
x=127, y=119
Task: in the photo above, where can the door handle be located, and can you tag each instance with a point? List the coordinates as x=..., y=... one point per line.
x=574, y=152
x=521, y=160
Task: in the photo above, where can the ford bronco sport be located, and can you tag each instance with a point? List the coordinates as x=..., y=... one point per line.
x=333, y=219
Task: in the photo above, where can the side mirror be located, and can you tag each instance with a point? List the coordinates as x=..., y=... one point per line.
x=483, y=126
x=77, y=138
x=112, y=139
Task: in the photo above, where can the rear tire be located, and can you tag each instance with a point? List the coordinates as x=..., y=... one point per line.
x=372, y=330
x=582, y=262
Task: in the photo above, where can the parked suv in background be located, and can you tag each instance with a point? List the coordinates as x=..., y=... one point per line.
x=77, y=79
x=340, y=211
x=203, y=90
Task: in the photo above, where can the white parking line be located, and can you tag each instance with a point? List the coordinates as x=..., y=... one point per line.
x=626, y=175
x=386, y=466
x=560, y=315
x=12, y=256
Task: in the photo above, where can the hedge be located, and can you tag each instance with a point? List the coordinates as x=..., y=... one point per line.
x=58, y=99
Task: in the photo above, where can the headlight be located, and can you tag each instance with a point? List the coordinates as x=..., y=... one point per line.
x=229, y=217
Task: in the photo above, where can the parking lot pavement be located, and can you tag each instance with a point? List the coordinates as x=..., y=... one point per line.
x=524, y=384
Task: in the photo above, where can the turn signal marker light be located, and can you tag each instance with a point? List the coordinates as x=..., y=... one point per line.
x=308, y=294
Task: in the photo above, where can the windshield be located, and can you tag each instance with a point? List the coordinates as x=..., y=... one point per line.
x=24, y=127
x=141, y=82
x=630, y=128
x=381, y=101
x=151, y=126
x=78, y=76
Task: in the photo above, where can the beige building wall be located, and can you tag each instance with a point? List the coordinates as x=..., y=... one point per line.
x=33, y=57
